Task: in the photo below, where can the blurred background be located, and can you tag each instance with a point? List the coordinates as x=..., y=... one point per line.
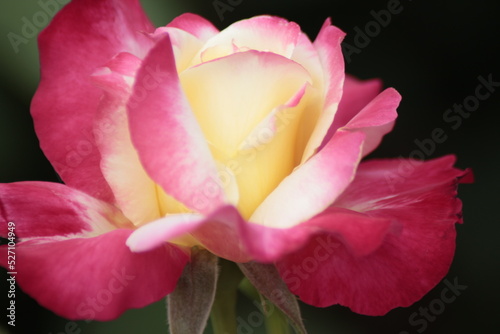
x=432, y=52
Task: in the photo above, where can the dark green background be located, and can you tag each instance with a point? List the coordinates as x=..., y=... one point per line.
x=432, y=53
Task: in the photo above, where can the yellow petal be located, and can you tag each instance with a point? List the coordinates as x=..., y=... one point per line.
x=232, y=95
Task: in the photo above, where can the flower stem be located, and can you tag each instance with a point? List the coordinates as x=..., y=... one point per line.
x=223, y=314
x=276, y=321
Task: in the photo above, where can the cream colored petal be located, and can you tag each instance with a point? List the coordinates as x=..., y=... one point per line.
x=133, y=189
x=308, y=122
x=232, y=95
x=261, y=166
x=306, y=55
x=185, y=45
x=261, y=33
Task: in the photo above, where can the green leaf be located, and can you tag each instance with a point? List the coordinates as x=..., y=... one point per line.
x=190, y=304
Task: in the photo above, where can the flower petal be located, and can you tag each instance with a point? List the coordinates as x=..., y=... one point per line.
x=185, y=45
x=376, y=119
x=218, y=232
x=329, y=50
x=134, y=191
x=313, y=186
x=226, y=122
x=226, y=234
x=359, y=232
x=165, y=133
x=96, y=278
x=268, y=153
x=154, y=234
x=355, y=96
x=53, y=210
x=84, y=35
x=261, y=33
x=195, y=25
x=378, y=181
x=414, y=255
x=306, y=55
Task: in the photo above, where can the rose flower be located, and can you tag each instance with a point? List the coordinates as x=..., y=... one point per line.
x=246, y=142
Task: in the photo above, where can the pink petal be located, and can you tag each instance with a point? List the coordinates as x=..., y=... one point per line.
x=154, y=234
x=95, y=278
x=375, y=119
x=380, y=180
x=219, y=232
x=84, y=35
x=313, y=186
x=52, y=210
x=355, y=96
x=195, y=25
x=124, y=63
x=414, y=255
x=227, y=235
x=168, y=139
x=361, y=233
x=329, y=49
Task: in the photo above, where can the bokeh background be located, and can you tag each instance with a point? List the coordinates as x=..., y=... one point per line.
x=432, y=52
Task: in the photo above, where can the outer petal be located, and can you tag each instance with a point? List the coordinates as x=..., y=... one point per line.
x=390, y=179
x=54, y=211
x=220, y=232
x=359, y=232
x=312, y=187
x=375, y=120
x=72, y=258
x=96, y=278
x=355, y=96
x=413, y=257
x=84, y=35
x=165, y=133
x=228, y=235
